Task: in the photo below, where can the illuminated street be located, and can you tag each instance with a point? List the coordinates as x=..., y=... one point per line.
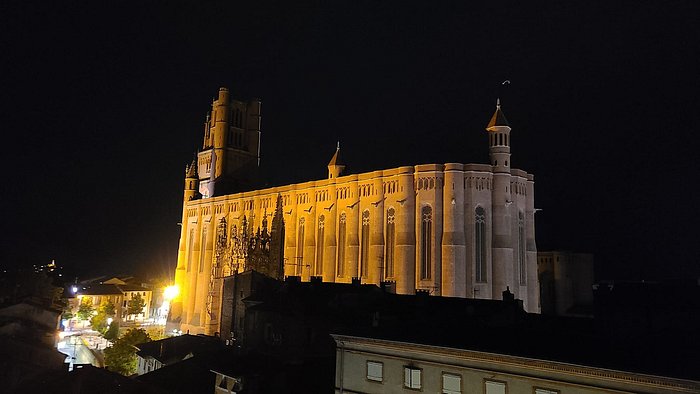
x=77, y=348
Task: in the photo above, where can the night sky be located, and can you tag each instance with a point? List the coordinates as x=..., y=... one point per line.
x=103, y=105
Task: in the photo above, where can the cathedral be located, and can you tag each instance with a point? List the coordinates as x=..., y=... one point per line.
x=452, y=230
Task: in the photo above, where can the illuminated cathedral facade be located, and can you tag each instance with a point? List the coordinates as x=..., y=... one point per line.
x=454, y=230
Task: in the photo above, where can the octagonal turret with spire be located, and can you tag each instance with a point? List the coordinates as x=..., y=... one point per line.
x=335, y=166
x=499, y=140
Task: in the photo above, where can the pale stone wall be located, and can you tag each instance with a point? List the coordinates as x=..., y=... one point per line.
x=452, y=192
x=437, y=200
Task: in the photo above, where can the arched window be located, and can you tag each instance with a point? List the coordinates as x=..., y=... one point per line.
x=389, y=254
x=300, y=247
x=522, y=258
x=364, y=254
x=341, y=245
x=480, y=244
x=319, y=247
x=426, y=236
x=190, y=250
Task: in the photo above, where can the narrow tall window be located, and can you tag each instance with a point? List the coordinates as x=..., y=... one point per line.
x=389, y=254
x=411, y=377
x=300, y=247
x=522, y=258
x=480, y=244
x=190, y=249
x=426, y=236
x=341, y=245
x=202, y=249
x=364, y=256
x=319, y=247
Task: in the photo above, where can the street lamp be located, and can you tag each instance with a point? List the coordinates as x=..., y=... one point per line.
x=171, y=292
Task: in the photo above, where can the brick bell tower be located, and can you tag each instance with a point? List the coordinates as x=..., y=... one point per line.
x=230, y=156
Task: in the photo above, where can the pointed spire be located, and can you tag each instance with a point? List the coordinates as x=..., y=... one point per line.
x=336, y=166
x=191, y=170
x=498, y=118
x=336, y=160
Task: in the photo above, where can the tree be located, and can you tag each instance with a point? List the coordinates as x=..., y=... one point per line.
x=135, y=305
x=121, y=356
x=112, y=332
x=67, y=314
x=99, y=321
x=85, y=310
x=107, y=308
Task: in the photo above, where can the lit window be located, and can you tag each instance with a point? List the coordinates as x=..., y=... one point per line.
x=545, y=391
x=451, y=384
x=480, y=241
x=426, y=237
x=411, y=377
x=318, y=267
x=522, y=258
x=375, y=371
x=389, y=254
x=495, y=387
x=364, y=253
x=341, y=245
x=300, y=247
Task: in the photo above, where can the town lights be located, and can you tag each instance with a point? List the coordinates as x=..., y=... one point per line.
x=171, y=292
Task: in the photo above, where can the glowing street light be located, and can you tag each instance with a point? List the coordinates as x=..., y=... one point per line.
x=171, y=292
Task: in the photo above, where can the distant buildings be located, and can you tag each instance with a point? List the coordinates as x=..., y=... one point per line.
x=456, y=230
x=115, y=290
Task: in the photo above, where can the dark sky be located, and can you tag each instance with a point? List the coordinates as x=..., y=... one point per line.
x=103, y=105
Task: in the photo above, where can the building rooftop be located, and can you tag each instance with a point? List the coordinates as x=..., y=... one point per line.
x=569, y=340
x=173, y=349
x=498, y=118
x=100, y=289
x=86, y=379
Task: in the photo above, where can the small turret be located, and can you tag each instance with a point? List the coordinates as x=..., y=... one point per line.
x=335, y=166
x=499, y=140
x=191, y=181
